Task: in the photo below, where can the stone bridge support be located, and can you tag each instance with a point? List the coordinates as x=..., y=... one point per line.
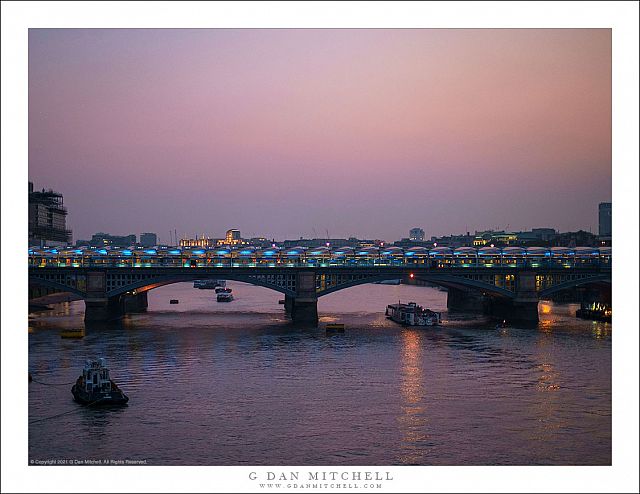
x=466, y=300
x=134, y=303
x=523, y=308
x=304, y=306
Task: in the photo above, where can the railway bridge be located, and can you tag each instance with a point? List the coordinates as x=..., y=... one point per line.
x=510, y=291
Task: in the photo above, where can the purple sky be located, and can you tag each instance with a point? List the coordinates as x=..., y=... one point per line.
x=362, y=133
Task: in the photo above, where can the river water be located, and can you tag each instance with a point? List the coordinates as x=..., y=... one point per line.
x=237, y=383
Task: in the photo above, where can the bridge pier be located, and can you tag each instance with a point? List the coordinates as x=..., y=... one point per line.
x=466, y=301
x=103, y=309
x=304, y=306
x=134, y=303
x=523, y=308
x=288, y=304
x=305, y=311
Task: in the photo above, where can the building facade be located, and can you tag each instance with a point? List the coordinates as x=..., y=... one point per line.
x=47, y=218
x=148, y=239
x=102, y=239
x=416, y=234
x=604, y=219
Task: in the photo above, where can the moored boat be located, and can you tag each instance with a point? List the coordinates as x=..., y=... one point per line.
x=95, y=387
x=72, y=333
x=595, y=311
x=209, y=284
x=224, y=297
x=412, y=314
x=334, y=328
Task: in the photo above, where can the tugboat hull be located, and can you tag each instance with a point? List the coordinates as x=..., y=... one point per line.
x=98, y=399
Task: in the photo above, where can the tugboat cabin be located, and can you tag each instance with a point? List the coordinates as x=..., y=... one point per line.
x=96, y=376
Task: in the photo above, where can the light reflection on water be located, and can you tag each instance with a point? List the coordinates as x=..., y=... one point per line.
x=238, y=383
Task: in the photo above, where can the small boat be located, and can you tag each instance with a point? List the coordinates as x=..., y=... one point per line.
x=224, y=297
x=209, y=284
x=174, y=301
x=502, y=324
x=95, y=387
x=388, y=282
x=335, y=328
x=596, y=311
x=412, y=314
x=72, y=333
x=222, y=289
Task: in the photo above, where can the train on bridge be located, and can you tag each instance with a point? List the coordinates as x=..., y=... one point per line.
x=322, y=256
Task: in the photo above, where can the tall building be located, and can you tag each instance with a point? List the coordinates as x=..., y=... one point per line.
x=102, y=239
x=148, y=239
x=416, y=234
x=232, y=237
x=47, y=218
x=604, y=219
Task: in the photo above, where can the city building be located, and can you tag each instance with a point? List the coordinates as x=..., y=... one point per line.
x=575, y=239
x=416, y=234
x=199, y=242
x=233, y=237
x=604, y=223
x=604, y=219
x=102, y=239
x=536, y=237
x=497, y=238
x=47, y=218
x=148, y=239
x=453, y=241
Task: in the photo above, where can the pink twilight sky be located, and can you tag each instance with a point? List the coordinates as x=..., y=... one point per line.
x=362, y=133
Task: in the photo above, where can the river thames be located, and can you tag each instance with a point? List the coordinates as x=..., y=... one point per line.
x=240, y=384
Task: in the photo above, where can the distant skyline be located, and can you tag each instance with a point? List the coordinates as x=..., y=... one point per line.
x=289, y=133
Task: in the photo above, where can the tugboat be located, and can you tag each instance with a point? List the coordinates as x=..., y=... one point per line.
x=95, y=387
x=225, y=296
x=412, y=314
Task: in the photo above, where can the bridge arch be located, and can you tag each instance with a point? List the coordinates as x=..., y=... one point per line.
x=602, y=279
x=148, y=284
x=441, y=280
x=60, y=287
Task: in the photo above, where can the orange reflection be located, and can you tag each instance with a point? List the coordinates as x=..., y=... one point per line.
x=412, y=421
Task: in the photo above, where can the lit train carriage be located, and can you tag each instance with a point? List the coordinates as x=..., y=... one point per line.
x=561, y=257
x=342, y=256
x=514, y=256
x=117, y=257
x=294, y=256
x=193, y=257
x=465, y=257
x=220, y=256
x=269, y=256
x=245, y=256
x=391, y=256
x=39, y=257
x=441, y=257
x=538, y=256
x=416, y=256
x=69, y=257
x=489, y=256
x=605, y=256
x=97, y=257
x=366, y=256
x=318, y=256
x=170, y=257
x=586, y=256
